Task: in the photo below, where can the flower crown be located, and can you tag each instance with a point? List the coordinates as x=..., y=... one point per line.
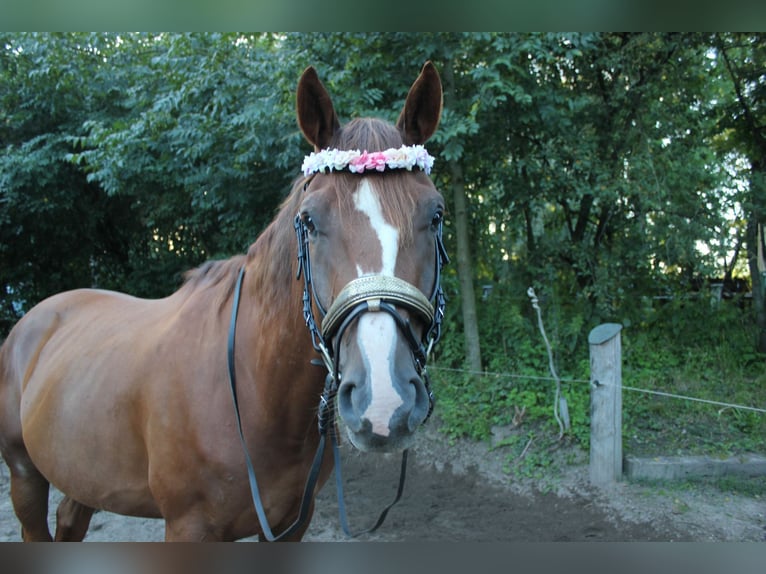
x=405, y=157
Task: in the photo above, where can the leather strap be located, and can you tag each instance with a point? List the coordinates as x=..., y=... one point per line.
x=311, y=481
x=326, y=412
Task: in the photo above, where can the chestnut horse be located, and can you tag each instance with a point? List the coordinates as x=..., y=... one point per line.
x=125, y=404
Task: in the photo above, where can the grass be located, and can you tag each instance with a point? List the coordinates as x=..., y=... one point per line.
x=727, y=372
x=703, y=354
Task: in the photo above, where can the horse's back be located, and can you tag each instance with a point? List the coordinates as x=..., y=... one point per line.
x=72, y=319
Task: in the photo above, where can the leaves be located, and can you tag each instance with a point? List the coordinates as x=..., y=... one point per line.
x=594, y=163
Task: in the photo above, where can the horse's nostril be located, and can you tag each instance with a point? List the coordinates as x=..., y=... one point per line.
x=345, y=403
x=421, y=405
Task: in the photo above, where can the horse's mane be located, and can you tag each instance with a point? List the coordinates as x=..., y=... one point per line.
x=214, y=273
x=277, y=242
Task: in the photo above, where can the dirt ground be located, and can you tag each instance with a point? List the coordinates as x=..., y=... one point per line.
x=459, y=492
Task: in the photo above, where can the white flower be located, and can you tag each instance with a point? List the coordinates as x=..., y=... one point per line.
x=405, y=157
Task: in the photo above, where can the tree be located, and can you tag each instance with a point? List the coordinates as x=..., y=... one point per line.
x=588, y=165
x=743, y=59
x=203, y=146
x=130, y=158
x=50, y=235
x=605, y=162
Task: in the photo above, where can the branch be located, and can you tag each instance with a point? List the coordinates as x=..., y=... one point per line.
x=750, y=119
x=533, y=297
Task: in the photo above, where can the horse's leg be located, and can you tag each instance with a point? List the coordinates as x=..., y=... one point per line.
x=189, y=528
x=29, y=488
x=72, y=520
x=29, y=494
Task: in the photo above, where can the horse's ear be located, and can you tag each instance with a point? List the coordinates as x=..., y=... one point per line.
x=423, y=107
x=316, y=115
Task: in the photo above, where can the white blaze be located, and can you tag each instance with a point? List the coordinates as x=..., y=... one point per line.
x=376, y=332
x=366, y=201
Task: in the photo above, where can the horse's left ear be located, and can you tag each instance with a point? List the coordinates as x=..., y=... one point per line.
x=423, y=107
x=316, y=114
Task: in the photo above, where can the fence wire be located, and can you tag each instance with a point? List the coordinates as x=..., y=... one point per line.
x=588, y=382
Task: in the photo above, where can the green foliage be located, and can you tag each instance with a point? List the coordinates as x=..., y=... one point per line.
x=691, y=349
x=131, y=158
x=698, y=349
x=595, y=165
x=517, y=378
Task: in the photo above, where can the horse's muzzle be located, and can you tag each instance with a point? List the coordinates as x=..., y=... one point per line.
x=382, y=397
x=385, y=426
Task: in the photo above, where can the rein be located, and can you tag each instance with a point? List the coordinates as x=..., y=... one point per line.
x=254, y=491
x=366, y=294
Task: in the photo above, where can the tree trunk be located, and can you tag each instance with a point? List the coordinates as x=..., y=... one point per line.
x=755, y=254
x=465, y=269
x=464, y=260
x=751, y=128
x=759, y=308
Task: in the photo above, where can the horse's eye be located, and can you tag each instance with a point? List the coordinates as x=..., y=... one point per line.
x=308, y=222
x=437, y=220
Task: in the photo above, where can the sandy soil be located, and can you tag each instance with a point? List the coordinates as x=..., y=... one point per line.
x=460, y=492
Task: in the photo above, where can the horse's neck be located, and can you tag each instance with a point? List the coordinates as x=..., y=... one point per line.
x=272, y=303
x=271, y=283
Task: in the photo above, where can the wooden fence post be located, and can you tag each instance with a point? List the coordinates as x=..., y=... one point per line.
x=605, y=404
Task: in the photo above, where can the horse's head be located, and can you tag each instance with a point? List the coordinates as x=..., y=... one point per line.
x=372, y=229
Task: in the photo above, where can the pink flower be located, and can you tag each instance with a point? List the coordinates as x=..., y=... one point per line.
x=377, y=161
x=368, y=161
x=359, y=163
x=405, y=157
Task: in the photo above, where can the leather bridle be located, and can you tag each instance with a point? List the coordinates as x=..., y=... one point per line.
x=372, y=293
x=366, y=294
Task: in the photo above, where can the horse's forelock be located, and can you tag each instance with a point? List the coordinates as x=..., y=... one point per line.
x=396, y=198
x=367, y=134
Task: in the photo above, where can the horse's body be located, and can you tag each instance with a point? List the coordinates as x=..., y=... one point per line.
x=124, y=404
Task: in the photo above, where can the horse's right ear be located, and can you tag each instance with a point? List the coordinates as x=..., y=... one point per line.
x=316, y=115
